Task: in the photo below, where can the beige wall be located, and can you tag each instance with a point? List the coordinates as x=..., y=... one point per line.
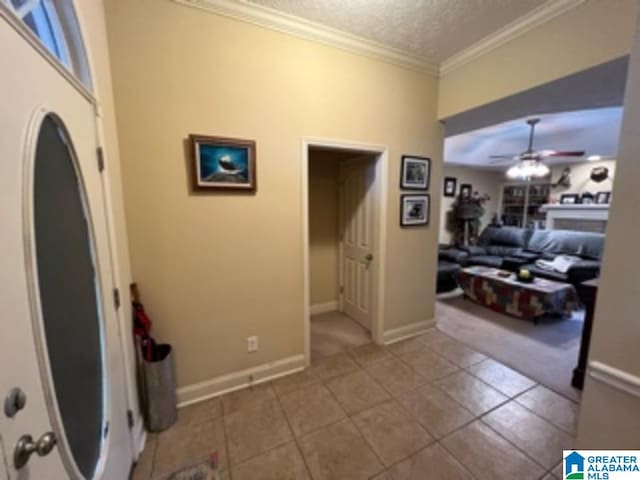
x=482, y=181
x=91, y=17
x=609, y=416
x=323, y=226
x=588, y=35
x=217, y=268
x=581, y=178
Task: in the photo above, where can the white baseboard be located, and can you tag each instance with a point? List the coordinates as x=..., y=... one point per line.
x=408, y=331
x=201, y=391
x=325, y=307
x=616, y=378
x=139, y=436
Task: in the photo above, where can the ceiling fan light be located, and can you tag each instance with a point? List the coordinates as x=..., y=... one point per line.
x=527, y=169
x=514, y=172
x=540, y=170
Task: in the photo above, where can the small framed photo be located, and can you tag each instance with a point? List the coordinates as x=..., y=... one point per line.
x=415, y=173
x=450, y=184
x=587, y=198
x=466, y=190
x=414, y=210
x=223, y=163
x=603, y=198
x=569, y=198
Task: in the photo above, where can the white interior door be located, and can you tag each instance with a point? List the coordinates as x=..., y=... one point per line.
x=59, y=344
x=357, y=181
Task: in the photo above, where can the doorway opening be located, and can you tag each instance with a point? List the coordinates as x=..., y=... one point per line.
x=343, y=211
x=512, y=218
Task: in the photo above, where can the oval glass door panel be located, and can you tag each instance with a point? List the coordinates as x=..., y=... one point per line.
x=69, y=294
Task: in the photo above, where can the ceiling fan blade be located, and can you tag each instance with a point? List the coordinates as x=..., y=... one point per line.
x=570, y=153
x=499, y=160
x=510, y=157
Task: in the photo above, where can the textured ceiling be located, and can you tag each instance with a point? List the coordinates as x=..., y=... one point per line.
x=596, y=132
x=432, y=29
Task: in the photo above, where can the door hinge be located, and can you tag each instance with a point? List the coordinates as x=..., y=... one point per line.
x=116, y=298
x=105, y=431
x=341, y=288
x=100, y=155
x=130, y=419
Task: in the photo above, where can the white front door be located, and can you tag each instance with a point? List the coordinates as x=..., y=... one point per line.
x=59, y=347
x=357, y=181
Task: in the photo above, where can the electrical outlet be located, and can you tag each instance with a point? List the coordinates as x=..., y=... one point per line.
x=252, y=344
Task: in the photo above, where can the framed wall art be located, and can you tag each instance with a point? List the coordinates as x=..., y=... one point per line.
x=223, y=163
x=415, y=173
x=603, y=198
x=466, y=190
x=450, y=185
x=414, y=210
x=569, y=198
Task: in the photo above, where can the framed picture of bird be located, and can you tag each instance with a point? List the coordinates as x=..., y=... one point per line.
x=223, y=163
x=414, y=210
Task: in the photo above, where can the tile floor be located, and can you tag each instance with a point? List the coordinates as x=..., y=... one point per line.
x=425, y=408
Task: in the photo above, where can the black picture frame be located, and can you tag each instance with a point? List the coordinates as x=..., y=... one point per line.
x=415, y=210
x=415, y=173
x=603, y=198
x=587, y=198
x=466, y=190
x=450, y=186
x=570, y=199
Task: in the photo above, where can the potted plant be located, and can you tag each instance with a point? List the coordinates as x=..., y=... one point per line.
x=464, y=218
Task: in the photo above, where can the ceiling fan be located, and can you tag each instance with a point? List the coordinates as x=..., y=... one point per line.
x=529, y=163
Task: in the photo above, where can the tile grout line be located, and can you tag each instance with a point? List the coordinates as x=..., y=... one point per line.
x=226, y=439
x=295, y=438
x=153, y=458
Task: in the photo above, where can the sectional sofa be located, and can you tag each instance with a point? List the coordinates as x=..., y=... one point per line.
x=512, y=248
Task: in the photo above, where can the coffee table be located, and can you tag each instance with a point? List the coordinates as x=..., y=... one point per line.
x=506, y=294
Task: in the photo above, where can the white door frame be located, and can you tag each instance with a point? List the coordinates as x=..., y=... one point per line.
x=381, y=198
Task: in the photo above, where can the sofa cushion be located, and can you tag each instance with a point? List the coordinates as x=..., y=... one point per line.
x=501, y=251
x=504, y=236
x=475, y=250
x=453, y=255
x=485, y=260
x=447, y=268
x=583, y=244
x=446, y=280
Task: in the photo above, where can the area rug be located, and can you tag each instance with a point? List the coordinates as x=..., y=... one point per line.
x=207, y=470
x=546, y=352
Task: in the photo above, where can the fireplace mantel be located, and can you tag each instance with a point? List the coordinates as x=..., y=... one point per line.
x=591, y=217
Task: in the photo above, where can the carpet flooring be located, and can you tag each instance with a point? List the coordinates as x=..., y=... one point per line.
x=335, y=332
x=546, y=352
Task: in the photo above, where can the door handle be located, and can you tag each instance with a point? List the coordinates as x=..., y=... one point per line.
x=26, y=447
x=368, y=257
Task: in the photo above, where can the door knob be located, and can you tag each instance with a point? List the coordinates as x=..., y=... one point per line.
x=368, y=257
x=26, y=447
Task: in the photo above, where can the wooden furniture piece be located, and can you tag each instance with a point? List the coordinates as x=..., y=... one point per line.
x=505, y=294
x=520, y=203
x=587, y=291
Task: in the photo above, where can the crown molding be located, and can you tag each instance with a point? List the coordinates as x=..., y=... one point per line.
x=255, y=14
x=299, y=27
x=544, y=13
